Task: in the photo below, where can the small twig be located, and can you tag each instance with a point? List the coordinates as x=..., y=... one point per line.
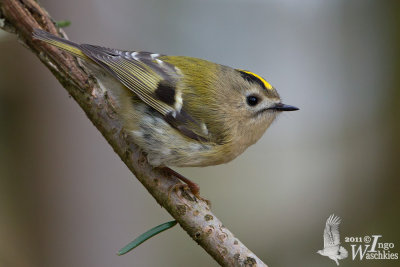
x=21, y=17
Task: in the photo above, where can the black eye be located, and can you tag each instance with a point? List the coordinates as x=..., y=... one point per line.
x=252, y=100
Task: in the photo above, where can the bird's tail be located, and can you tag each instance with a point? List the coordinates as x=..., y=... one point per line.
x=342, y=253
x=61, y=43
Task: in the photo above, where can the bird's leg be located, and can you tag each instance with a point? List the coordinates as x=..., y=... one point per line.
x=193, y=187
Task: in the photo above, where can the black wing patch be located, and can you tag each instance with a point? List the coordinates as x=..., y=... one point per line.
x=165, y=92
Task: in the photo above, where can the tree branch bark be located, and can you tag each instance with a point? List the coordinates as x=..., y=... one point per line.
x=21, y=17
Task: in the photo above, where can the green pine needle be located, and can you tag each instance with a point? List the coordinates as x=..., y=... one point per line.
x=147, y=235
x=63, y=23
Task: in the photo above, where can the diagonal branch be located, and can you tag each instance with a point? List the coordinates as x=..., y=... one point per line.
x=21, y=17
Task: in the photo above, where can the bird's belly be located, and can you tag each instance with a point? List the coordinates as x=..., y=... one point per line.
x=163, y=144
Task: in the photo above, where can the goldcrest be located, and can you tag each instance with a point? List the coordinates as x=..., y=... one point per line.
x=181, y=111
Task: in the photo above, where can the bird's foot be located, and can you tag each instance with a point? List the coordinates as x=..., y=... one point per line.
x=188, y=185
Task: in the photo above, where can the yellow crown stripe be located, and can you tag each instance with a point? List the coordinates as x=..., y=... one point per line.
x=266, y=84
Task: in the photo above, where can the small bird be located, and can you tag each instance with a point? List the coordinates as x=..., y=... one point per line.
x=332, y=248
x=181, y=111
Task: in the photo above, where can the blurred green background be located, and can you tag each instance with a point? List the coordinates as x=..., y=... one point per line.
x=66, y=199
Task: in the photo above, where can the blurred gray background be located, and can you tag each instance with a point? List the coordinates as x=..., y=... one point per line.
x=66, y=199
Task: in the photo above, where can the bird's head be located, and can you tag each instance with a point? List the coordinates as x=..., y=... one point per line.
x=320, y=252
x=251, y=104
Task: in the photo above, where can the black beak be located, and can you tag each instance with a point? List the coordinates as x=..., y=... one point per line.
x=283, y=107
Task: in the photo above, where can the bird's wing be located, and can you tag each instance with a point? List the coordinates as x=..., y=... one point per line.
x=331, y=231
x=154, y=81
x=130, y=71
